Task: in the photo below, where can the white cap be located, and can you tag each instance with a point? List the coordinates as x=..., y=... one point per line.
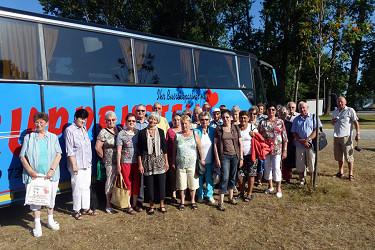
x=216, y=110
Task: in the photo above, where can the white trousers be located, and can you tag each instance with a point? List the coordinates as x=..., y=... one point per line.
x=272, y=167
x=54, y=187
x=81, y=188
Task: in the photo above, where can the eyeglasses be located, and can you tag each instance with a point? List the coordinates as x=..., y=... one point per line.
x=141, y=110
x=272, y=109
x=40, y=123
x=253, y=113
x=158, y=108
x=111, y=120
x=130, y=121
x=226, y=117
x=205, y=119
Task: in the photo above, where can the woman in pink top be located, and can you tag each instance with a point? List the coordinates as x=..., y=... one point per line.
x=171, y=174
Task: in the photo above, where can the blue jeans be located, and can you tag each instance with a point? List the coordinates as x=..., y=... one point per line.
x=260, y=166
x=228, y=173
x=209, y=183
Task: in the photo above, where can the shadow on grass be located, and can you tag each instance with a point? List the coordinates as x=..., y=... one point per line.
x=369, y=149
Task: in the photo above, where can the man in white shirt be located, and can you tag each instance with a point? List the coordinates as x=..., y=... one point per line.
x=343, y=119
x=291, y=106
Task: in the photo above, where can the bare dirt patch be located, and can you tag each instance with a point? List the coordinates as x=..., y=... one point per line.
x=337, y=214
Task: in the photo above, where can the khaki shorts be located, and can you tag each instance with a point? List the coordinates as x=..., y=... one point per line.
x=186, y=178
x=343, y=146
x=305, y=158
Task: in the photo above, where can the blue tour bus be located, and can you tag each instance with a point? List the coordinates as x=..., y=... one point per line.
x=57, y=65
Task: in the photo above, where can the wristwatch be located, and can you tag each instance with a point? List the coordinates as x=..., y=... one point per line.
x=52, y=169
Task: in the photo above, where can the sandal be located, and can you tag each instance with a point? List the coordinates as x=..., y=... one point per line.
x=130, y=211
x=181, y=207
x=77, y=216
x=109, y=210
x=138, y=209
x=248, y=198
x=233, y=201
x=163, y=210
x=89, y=212
x=150, y=211
x=194, y=206
x=339, y=175
x=351, y=177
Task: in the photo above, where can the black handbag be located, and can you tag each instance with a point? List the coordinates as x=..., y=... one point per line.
x=200, y=169
x=321, y=137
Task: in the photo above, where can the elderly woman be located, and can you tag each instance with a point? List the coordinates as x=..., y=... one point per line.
x=228, y=153
x=249, y=168
x=236, y=115
x=185, y=147
x=171, y=174
x=153, y=161
x=78, y=151
x=40, y=155
x=196, y=111
x=127, y=161
x=273, y=131
x=206, y=133
x=105, y=147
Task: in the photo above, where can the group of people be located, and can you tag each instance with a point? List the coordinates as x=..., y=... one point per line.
x=155, y=157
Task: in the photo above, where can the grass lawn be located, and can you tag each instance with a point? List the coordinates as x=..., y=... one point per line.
x=365, y=121
x=338, y=214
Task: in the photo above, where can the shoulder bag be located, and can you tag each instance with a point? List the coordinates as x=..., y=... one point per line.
x=120, y=194
x=321, y=137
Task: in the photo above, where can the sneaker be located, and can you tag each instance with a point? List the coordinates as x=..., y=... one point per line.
x=221, y=207
x=211, y=200
x=279, y=195
x=302, y=182
x=37, y=232
x=200, y=200
x=268, y=191
x=53, y=225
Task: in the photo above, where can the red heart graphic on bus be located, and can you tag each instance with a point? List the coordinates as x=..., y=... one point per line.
x=45, y=191
x=212, y=98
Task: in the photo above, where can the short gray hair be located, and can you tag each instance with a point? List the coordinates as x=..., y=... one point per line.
x=236, y=108
x=300, y=103
x=204, y=113
x=110, y=113
x=197, y=108
x=154, y=115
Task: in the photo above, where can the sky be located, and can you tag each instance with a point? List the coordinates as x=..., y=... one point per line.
x=34, y=6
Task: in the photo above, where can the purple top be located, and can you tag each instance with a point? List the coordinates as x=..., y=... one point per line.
x=78, y=144
x=170, y=139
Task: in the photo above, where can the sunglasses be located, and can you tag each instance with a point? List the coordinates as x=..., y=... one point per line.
x=130, y=121
x=205, y=119
x=272, y=109
x=141, y=110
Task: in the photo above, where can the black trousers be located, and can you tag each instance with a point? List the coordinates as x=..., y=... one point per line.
x=155, y=186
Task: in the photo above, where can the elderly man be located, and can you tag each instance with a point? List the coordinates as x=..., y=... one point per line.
x=206, y=107
x=163, y=124
x=291, y=106
x=141, y=117
x=216, y=118
x=343, y=119
x=304, y=130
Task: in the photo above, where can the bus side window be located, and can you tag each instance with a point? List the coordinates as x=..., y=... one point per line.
x=19, y=50
x=244, y=72
x=163, y=64
x=76, y=55
x=215, y=70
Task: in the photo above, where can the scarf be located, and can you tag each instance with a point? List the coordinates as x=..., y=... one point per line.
x=150, y=149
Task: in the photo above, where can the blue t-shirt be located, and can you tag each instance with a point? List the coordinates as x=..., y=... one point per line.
x=43, y=157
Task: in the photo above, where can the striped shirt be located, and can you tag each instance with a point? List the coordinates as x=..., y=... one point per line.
x=30, y=150
x=78, y=144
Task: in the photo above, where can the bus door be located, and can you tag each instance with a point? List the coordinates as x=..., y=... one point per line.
x=19, y=103
x=61, y=102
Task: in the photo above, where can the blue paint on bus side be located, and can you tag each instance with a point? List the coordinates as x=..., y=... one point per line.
x=21, y=101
